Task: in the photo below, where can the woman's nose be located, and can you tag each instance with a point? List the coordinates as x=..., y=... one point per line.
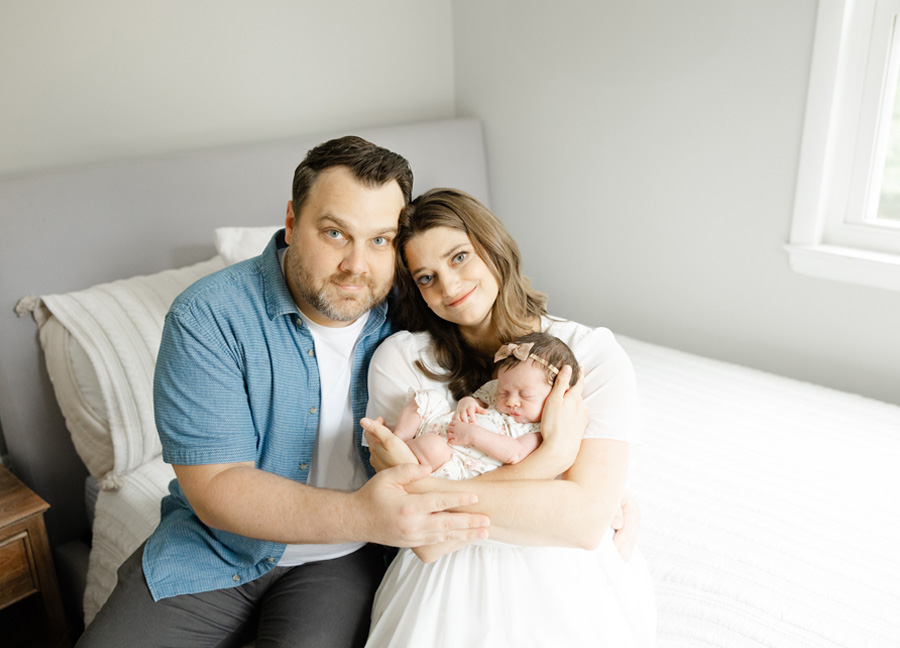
x=449, y=285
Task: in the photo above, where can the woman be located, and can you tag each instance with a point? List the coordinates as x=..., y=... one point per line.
x=550, y=574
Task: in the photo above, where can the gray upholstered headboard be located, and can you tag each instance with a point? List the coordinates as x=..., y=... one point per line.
x=71, y=229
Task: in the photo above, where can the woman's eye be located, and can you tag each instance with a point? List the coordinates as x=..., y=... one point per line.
x=459, y=258
x=424, y=280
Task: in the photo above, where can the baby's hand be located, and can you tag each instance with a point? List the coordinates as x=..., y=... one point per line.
x=467, y=408
x=460, y=433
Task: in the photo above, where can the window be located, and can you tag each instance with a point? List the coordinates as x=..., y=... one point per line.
x=846, y=223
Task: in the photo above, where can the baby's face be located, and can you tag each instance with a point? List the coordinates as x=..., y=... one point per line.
x=521, y=392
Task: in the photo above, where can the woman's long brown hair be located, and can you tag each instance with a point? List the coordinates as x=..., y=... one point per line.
x=517, y=304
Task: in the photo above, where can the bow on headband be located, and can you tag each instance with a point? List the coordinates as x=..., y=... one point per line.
x=522, y=352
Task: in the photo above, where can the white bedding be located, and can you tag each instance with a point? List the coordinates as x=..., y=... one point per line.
x=124, y=518
x=770, y=507
x=100, y=346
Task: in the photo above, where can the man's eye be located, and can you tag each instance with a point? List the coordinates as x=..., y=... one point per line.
x=333, y=234
x=380, y=241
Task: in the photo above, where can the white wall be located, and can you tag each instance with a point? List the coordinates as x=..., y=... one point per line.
x=644, y=154
x=103, y=79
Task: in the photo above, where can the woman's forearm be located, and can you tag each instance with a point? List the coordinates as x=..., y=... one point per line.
x=574, y=511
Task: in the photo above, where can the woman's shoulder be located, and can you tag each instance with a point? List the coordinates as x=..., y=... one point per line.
x=590, y=345
x=406, y=340
x=404, y=346
x=573, y=333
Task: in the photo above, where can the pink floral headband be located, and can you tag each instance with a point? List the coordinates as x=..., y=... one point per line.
x=522, y=352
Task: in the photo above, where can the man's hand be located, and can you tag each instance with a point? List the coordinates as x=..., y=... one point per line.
x=394, y=517
x=626, y=523
x=386, y=449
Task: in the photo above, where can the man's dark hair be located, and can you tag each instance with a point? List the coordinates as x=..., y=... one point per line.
x=370, y=164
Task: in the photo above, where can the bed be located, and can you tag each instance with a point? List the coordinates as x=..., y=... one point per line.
x=770, y=514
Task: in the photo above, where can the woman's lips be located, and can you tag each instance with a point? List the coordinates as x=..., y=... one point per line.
x=457, y=302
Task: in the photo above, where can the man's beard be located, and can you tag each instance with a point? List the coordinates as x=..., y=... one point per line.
x=326, y=298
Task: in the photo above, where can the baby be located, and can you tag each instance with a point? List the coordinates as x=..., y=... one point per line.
x=499, y=424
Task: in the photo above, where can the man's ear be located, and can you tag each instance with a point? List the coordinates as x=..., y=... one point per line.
x=289, y=222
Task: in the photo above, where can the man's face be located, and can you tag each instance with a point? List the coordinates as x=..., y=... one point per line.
x=340, y=262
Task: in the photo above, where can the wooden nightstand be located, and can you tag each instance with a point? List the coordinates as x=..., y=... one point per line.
x=26, y=565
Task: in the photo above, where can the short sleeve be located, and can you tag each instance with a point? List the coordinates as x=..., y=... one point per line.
x=392, y=373
x=610, y=388
x=200, y=400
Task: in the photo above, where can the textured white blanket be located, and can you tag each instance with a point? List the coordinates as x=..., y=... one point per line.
x=771, y=507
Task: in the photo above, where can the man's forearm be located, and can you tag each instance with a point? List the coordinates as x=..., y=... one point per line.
x=242, y=499
x=250, y=502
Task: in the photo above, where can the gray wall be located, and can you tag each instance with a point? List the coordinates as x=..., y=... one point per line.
x=99, y=80
x=95, y=84
x=645, y=156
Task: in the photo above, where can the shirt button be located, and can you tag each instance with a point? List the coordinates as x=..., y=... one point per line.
x=303, y=466
x=236, y=578
x=311, y=352
x=271, y=560
x=313, y=410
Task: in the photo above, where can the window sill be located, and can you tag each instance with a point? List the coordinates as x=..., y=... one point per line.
x=875, y=269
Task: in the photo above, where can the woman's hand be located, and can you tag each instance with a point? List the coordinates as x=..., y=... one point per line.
x=564, y=419
x=386, y=449
x=626, y=523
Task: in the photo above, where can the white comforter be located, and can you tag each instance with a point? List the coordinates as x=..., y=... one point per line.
x=771, y=508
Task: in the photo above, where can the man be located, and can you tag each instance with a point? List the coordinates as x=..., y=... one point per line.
x=269, y=515
x=260, y=384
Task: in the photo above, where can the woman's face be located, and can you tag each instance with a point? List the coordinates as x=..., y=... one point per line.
x=453, y=280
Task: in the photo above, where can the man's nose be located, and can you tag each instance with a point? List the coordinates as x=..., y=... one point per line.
x=355, y=261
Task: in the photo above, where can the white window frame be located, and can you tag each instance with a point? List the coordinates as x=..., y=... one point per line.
x=835, y=232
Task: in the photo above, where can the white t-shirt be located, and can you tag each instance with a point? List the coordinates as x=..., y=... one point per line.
x=335, y=462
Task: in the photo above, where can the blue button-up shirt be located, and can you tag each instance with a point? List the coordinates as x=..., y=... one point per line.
x=237, y=380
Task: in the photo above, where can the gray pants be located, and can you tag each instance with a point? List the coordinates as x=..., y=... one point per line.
x=324, y=603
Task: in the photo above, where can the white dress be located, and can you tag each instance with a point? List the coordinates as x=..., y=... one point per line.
x=496, y=594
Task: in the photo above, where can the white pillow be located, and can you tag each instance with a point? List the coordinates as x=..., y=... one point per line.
x=100, y=346
x=238, y=243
